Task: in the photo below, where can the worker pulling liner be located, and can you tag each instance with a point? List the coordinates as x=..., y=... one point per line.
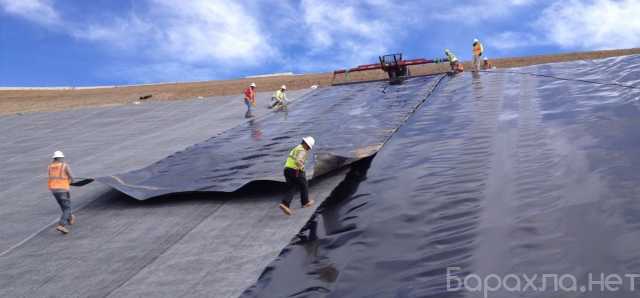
x=279, y=99
x=295, y=175
x=59, y=183
x=456, y=66
x=250, y=99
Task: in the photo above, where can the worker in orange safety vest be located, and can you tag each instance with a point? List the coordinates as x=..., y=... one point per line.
x=250, y=99
x=478, y=49
x=59, y=183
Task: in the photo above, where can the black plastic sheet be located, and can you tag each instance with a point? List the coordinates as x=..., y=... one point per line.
x=498, y=173
x=348, y=122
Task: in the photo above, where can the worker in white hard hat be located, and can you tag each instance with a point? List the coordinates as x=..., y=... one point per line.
x=486, y=64
x=295, y=175
x=59, y=183
x=477, y=50
x=250, y=99
x=280, y=98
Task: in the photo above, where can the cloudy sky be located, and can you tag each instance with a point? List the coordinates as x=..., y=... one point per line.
x=106, y=42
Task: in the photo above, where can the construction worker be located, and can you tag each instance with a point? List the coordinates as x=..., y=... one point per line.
x=295, y=175
x=477, y=53
x=280, y=98
x=250, y=99
x=456, y=66
x=60, y=180
x=486, y=64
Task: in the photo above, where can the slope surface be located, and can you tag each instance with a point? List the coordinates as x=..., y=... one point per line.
x=97, y=141
x=499, y=173
x=348, y=122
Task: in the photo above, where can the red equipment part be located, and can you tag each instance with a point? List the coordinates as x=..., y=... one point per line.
x=393, y=64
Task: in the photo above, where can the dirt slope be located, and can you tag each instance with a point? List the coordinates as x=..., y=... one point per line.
x=20, y=101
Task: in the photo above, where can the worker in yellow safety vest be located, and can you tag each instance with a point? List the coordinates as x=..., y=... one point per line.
x=60, y=180
x=456, y=66
x=280, y=98
x=295, y=176
x=478, y=49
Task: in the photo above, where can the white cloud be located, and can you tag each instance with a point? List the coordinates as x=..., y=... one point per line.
x=197, y=31
x=478, y=11
x=512, y=40
x=213, y=31
x=218, y=33
x=578, y=24
x=38, y=11
x=347, y=32
x=599, y=24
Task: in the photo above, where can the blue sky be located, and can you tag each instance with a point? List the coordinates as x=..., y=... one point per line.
x=113, y=42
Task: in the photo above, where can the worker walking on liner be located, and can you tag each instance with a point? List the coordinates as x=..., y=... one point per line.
x=295, y=175
x=250, y=99
x=455, y=64
x=60, y=180
x=477, y=49
x=279, y=98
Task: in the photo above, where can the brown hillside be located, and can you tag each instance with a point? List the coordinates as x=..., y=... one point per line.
x=20, y=101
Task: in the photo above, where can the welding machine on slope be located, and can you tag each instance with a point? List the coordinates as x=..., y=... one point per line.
x=396, y=68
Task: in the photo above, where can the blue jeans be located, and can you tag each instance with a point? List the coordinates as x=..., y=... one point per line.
x=64, y=200
x=248, y=113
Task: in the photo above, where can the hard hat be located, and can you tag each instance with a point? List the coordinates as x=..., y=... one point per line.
x=310, y=141
x=475, y=40
x=446, y=50
x=485, y=58
x=58, y=154
x=284, y=87
x=252, y=85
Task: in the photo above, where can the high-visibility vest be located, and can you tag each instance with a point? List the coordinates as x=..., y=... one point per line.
x=279, y=95
x=477, y=49
x=291, y=159
x=58, y=178
x=451, y=57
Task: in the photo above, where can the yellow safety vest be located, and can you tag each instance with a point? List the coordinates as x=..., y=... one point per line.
x=451, y=57
x=291, y=159
x=279, y=95
x=58, y=178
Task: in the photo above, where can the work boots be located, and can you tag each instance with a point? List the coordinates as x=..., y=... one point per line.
x=62, y=229
x=309, y=204
x=285, y=209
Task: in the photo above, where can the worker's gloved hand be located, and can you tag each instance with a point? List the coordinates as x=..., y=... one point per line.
x=480, y=54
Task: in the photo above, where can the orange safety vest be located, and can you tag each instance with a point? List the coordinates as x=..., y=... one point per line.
x=58, y=178
x=477, y=49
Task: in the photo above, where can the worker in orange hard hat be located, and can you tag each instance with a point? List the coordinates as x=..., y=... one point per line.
x=477, y=50
x=250, y=99
x=59, y=183
x=295, y=175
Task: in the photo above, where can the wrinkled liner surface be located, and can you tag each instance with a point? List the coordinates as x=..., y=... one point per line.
x=499, y=173
x=348, y=122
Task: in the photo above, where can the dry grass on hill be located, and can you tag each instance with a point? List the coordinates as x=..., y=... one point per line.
x=20, y=101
